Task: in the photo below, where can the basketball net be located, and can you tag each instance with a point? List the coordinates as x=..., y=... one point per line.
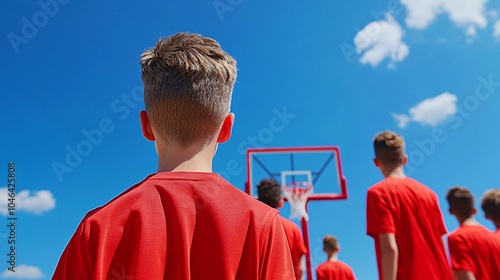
x=297, y=193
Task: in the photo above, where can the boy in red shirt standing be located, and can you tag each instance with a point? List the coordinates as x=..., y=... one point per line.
x=491, y=207
x=184, y=222
x=474, y=250
x=333, y=269
x=269, y=192
x=404, y=219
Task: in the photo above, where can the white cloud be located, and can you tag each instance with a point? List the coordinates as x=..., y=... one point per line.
x=470, y=33
x=379, y=40
x=431, y=111
x=23, y=271
x=493, y=14
x=467, y=14
x=38, y=202
x=402, y=119
x=422, y=12
x=496, y=29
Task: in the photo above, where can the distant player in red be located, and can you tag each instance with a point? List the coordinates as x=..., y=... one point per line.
x=474, y=250
x=183, y=222
x=269, y=192
x=333, y=269
x=404, y=219
x=491, y=207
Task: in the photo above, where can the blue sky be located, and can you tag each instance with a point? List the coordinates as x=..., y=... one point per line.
x=343, y=70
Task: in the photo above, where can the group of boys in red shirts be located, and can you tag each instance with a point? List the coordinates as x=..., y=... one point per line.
x=405, y=221
x=186, y=222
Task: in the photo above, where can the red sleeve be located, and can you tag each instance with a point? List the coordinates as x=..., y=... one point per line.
x=320, y=274
x=276, y=260
x=74, y=262
x=379, y=217
x=351, y=277
x=301, y=247
x=460, y=254
x=439, y=223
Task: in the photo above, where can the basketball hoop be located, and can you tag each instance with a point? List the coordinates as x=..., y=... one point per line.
x=304, y=165
x=297, y=193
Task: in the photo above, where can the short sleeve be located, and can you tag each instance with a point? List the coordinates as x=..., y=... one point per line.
x=74, y=262
x=275, y=252
x=379, y=216
x=351, y=275
x=301, y=247
x=460, y=254
x=439, y=222
x=320, y=274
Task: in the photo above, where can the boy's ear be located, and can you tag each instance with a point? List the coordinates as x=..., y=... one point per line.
x=405, y=160
x=280, y=204
x=226, y=129
x=450, y=211
x=474, y=211
x=377, y=163
x=147, y=131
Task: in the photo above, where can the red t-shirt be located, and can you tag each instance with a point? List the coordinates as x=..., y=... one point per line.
x=296, y=243
x=179, y=225
x=475, y=249
x=335, y=270
x=410, y=211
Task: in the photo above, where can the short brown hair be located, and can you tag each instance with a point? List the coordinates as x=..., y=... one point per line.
x=269, y=192
x=188, y=82
x=330, y=242
x=491, y=204
x=461, y=201
x=389, y=148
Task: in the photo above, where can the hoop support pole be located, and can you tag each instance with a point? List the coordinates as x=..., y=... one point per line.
x=305, y=235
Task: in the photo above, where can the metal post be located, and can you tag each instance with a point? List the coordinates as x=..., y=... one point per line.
x=305, y=234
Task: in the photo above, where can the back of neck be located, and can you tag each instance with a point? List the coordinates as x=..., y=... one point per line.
x=194, y=159
x=394, y=173
x=333, y=257
x=468, y=221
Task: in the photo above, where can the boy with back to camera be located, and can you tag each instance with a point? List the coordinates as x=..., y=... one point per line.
x=333, y=269
x=490, y=203
x=474, y=250
x=269, y=192
x=404, y=219
x=184, y=222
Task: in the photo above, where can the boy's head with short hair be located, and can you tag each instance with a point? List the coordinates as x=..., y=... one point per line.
x=461, y=203
x=188, y=82
x=389, y=148
x=490, y=204
x=330, y=244
x=269, y=192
